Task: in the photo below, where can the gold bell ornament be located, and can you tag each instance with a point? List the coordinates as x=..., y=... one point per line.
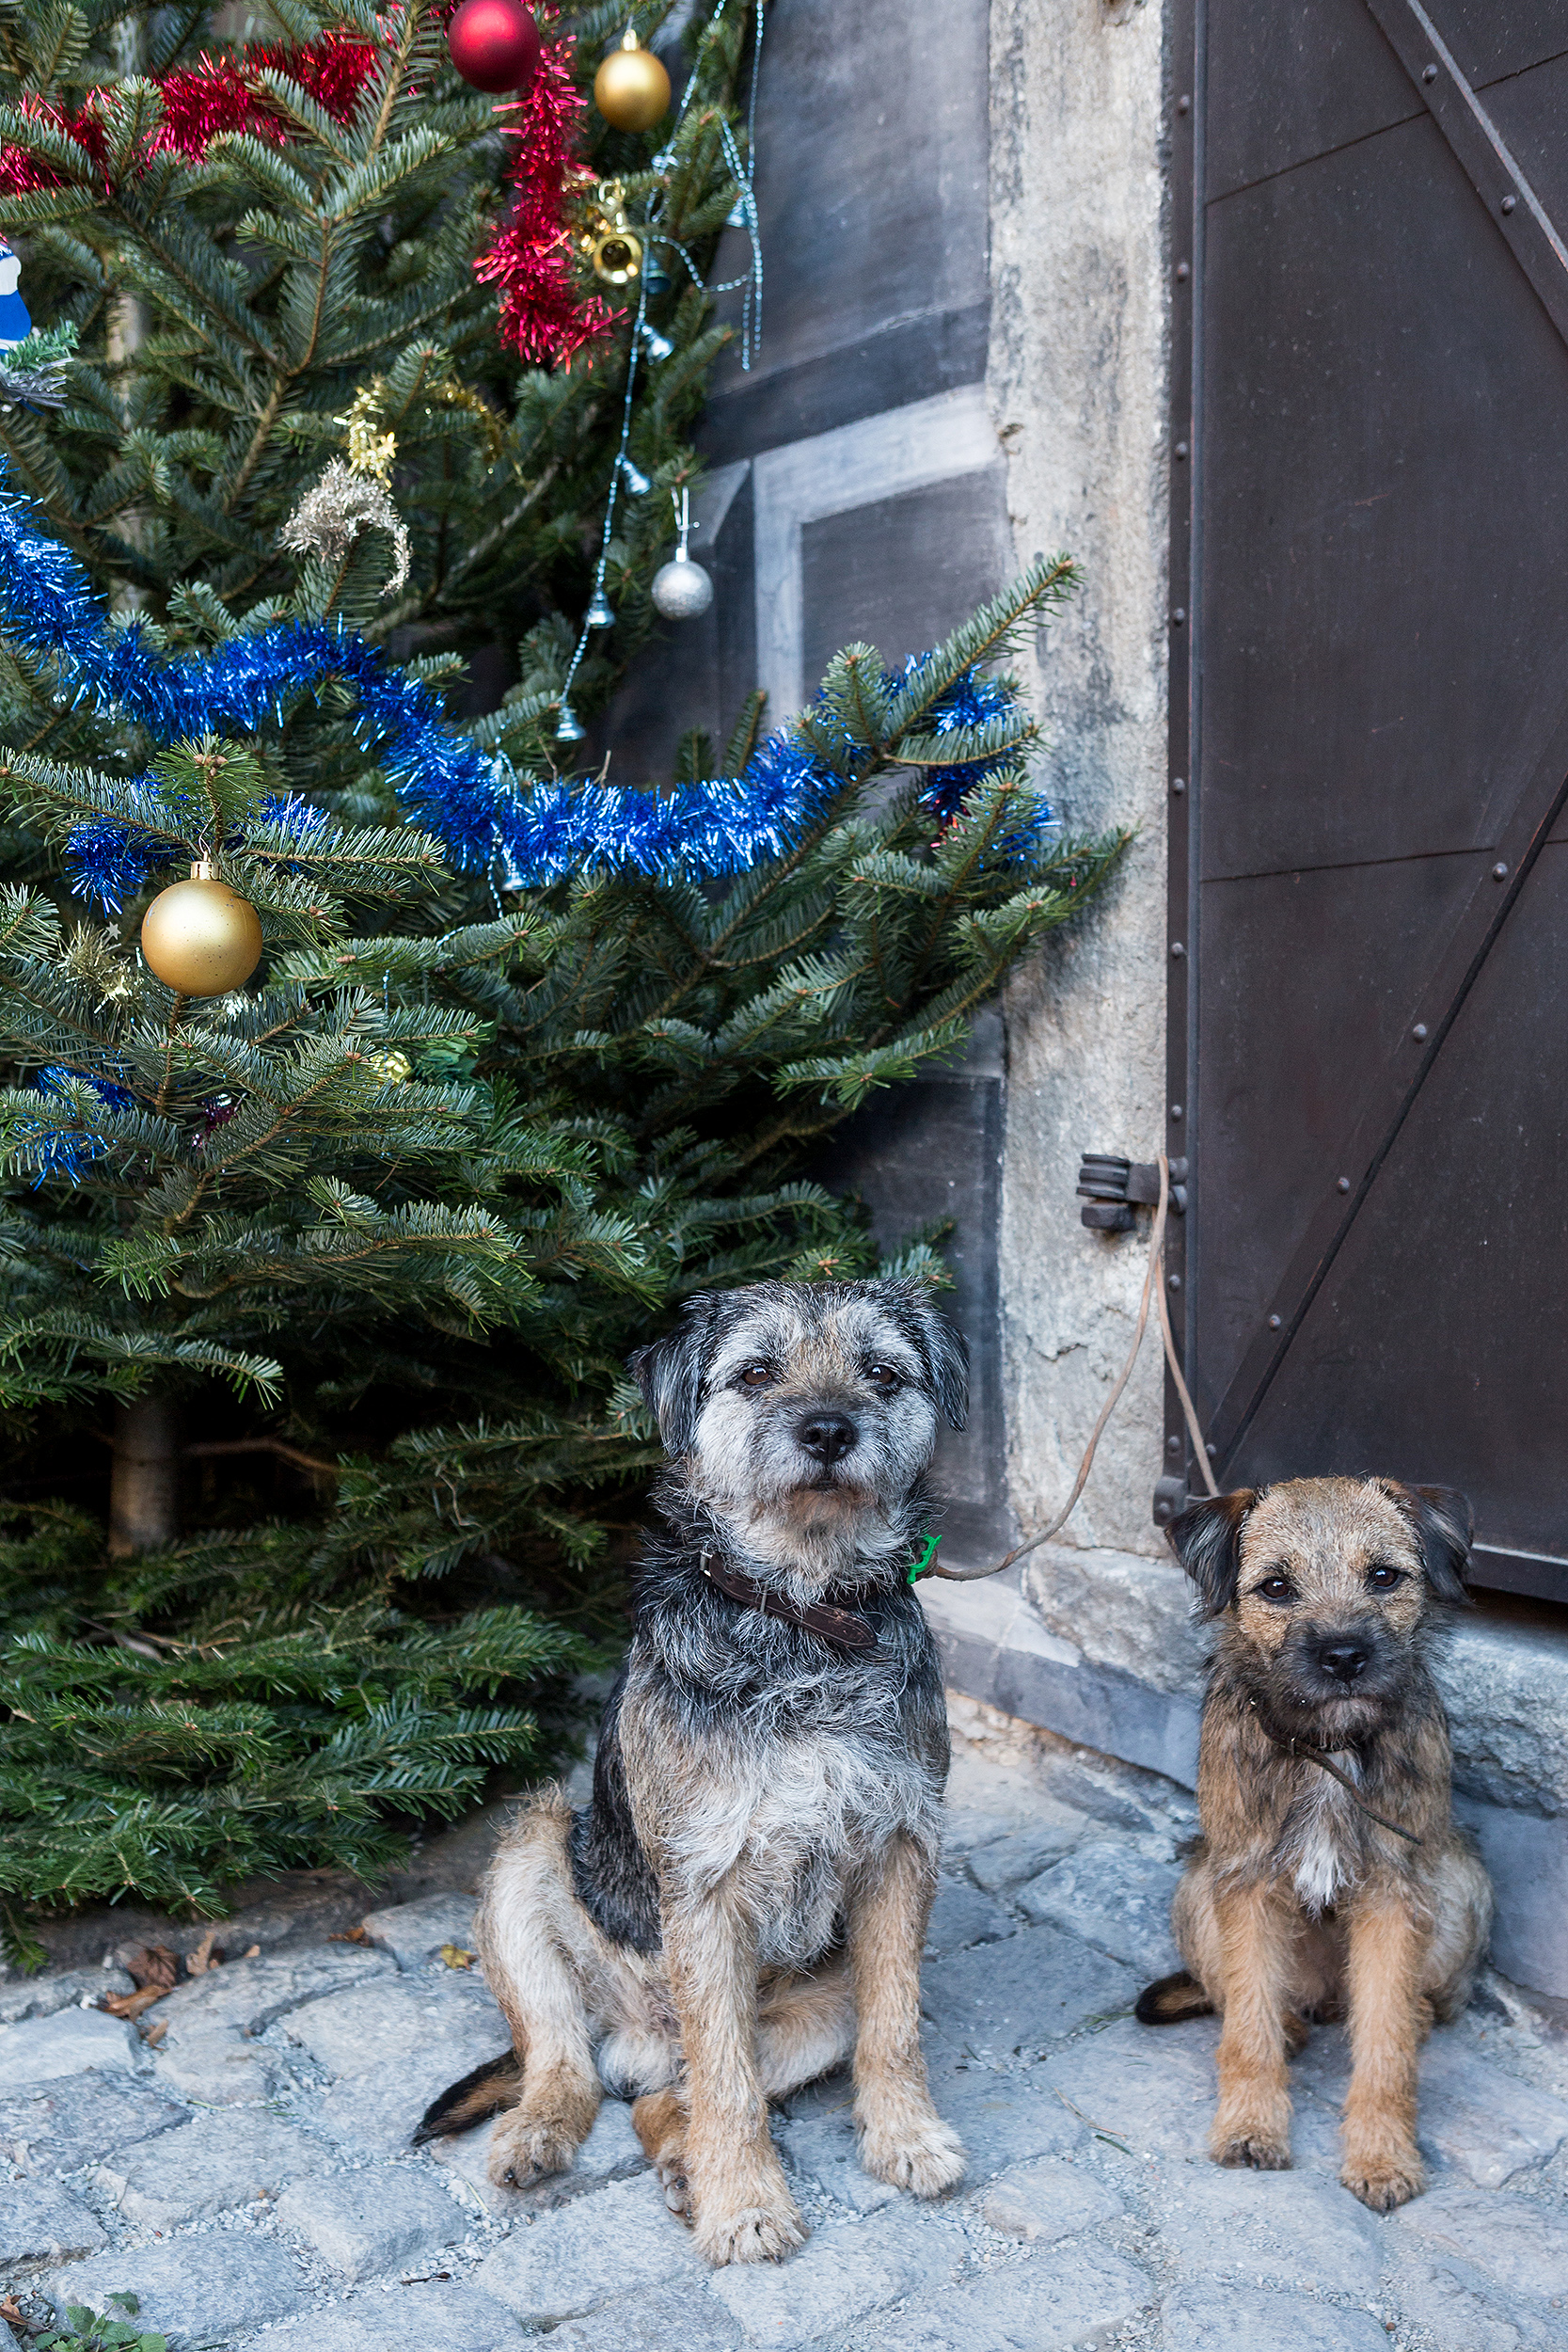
x=631, y=88
x=392, y=1066
x=610, y=243
x=200, y=937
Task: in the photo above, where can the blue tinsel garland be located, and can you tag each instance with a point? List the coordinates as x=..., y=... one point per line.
x=53, y=1150
x=474, y=802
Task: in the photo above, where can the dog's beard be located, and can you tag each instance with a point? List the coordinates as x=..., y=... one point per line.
x=1325, y=1719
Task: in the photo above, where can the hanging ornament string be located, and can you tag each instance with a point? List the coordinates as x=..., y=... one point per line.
x=600, y=614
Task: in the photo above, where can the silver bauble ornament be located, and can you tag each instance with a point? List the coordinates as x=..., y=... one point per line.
x=682, y=589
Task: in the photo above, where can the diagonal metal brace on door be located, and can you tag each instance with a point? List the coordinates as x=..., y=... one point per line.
x=1542, y=253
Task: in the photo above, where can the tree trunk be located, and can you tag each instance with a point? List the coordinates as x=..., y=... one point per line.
x=144, y=1489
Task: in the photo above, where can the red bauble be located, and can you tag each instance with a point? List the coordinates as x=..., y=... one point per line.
x=495, y=44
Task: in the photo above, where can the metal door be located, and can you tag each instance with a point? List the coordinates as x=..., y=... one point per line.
x=1368, y=909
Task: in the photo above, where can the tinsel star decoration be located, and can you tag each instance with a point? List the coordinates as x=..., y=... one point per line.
x=333, y=512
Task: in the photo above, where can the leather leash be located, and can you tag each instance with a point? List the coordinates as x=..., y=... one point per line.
x=1311, y=1754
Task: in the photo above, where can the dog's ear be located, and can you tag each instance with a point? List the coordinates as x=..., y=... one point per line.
x=1444, y=1529
x=1206, y=1539
x=670, y=1373
x=946, y=1351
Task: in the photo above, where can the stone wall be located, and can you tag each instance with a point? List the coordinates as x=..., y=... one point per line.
x=1076, y=384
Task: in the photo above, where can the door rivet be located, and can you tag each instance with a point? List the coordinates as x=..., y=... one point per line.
x=1181, y=448
x=1419, y=1032
x=1183, y=105
x=1508, y=202
x=1172, y=1281
x=1173, y=1445
x=1176, y=949
x=1179, y=785
x=1183, y=271
x=1176, y=1110
x=1274, y=1323
x=1179, y=616
x=1499, y=873
x=1429, y=73
x=1343, y=1184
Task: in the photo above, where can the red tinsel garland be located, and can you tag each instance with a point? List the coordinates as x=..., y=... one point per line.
x=219, y=94
x=542, y=315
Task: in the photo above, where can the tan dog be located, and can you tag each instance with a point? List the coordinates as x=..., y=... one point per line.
x=1331, y=1878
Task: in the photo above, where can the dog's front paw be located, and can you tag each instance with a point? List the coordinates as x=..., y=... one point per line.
x=527, y=2148
x=1384, y=2179
x=919, y=2153
x=762, y=2233
x=1252, y=2148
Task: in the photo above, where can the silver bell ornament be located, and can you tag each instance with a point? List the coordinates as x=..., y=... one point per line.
x=568, y=726
x=601, y=612
x=682, y=589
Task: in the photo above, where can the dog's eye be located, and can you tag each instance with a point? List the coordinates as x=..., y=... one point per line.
x=758, y=1375
x=1276, y=1587
x=1383, y=1579
x=884, y=1377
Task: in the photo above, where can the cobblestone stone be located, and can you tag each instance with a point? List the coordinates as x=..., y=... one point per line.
x=1037, y=1987
x=448, y=2316
x=202, y=2287
x=56, y=2126
x=1203, y=2319
x=367, y=2222
x=69, y=2042
x=219, y=2161
x=838, y=2275
x=1091, y=2217
x=1045, y=2200
x=1112, y=1896
x=41, y=1997
x=415, y=1932
x=40, y=2222
x=1067, y=2296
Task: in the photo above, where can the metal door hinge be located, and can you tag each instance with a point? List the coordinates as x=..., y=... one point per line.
x=1114, y=1188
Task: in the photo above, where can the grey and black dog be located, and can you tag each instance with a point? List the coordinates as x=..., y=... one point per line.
x=743, y=1904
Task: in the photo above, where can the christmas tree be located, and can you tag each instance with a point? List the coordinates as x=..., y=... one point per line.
x=362, y=1242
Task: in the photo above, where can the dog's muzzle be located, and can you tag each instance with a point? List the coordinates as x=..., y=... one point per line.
x=827, y=1436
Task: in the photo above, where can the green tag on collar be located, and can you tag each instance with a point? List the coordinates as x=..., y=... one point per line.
x=926, y=1558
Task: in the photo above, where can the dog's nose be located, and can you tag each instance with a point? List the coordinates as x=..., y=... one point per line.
x=1345, y=1660
x=827, y=1436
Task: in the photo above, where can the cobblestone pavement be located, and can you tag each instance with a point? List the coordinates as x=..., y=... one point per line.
x=249, y=2179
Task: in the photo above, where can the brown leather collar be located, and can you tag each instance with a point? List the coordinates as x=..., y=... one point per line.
x=842, y=1629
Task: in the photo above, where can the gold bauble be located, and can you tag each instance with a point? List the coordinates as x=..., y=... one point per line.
x=631, y=88
x=392, y=1067
x=200, y=937
x=617, y=257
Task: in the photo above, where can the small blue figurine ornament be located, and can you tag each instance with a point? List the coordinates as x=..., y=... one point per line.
x=15, y=324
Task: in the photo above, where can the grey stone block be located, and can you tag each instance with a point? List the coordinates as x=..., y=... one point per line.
x=1023, y=1853
x=249, y=1996
x=1033, y=1988
x=69, y=2042
x=609, y=2244
x=1523, y=2246
x=1114, y=1897
x=1279, y=2229
x=370, y=2221
x=1490, y=2124
x=56, y=2126
x=1004, y=2118
x=214, y=2066
x=40, y=2222
x=375, y=2112
x=839, y=2275
x=822, y=2146
x=1462, y=2313
x=222, y=2160
x=1151, y=2088
x=611, y=2152
x=1045, y=2200
x=41, y=1997
x=438, y=2315
x=963, y=1916
x=219, y=2287
x=1073, y=2296
x=357, y=2032
x=1212, y=2319
x=668, y=2319
x=415, y=1932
